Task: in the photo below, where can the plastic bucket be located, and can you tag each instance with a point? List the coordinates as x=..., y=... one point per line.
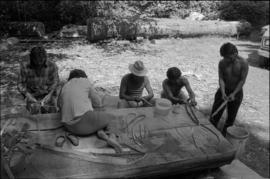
x=162, y=107
x=237, y=136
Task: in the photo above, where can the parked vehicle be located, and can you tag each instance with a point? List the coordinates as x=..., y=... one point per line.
x=264, y=48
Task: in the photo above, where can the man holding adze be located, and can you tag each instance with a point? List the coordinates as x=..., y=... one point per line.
x=232, y=70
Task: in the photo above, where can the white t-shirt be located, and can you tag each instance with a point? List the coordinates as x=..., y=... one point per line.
x=76, y=98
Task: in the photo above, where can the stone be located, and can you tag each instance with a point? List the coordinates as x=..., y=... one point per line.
x=12, y=40
x=195, y=16
x=26, y=29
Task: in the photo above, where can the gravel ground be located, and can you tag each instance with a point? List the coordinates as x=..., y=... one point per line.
x=105, y=63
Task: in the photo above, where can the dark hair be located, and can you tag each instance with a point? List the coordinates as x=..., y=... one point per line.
x=77, y=73
x=228, y=49
x=37, y=53
x=173, y=73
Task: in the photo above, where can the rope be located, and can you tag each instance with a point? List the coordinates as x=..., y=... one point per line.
x=194, y=118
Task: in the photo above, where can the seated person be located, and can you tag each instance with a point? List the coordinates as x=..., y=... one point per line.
x=76, y=101
x=172, y=87
x=38, y=81
x=132, y=86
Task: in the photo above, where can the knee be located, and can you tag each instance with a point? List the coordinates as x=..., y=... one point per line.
x=122, y=104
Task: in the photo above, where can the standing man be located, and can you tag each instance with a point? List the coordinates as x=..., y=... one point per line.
x=132, y=86
x=38, y=80
x=232, y=70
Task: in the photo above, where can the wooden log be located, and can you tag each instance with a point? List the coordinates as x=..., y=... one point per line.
x=129, y=28
x=99, y=28
x=73, y=31
x=26, y=29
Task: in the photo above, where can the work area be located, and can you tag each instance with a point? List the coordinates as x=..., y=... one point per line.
x=134, y=89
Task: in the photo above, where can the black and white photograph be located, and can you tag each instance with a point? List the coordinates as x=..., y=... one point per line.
x=134, y=89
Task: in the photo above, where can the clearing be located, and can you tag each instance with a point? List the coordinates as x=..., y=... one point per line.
x=105, y=63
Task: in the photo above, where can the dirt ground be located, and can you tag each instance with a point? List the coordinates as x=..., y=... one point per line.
x=105, y=63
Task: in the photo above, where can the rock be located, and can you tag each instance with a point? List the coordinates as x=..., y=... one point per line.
x=12, y=41
x=3, y=46
x=195, y=16
x=26, y=29
x=71, y=30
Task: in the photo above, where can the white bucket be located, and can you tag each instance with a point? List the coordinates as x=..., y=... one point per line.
x=162, y=107
x=237, y=136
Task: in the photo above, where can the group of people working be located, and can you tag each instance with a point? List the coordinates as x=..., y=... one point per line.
x=80, y=104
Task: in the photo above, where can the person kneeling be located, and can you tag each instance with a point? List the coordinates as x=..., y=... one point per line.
x=132, y=86
x=76, y=101
x=172, y=87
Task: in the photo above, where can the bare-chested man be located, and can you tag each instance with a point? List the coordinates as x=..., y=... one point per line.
x=172, y=87
x=233, y=71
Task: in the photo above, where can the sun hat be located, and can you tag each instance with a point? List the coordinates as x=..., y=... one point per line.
x=138, y=68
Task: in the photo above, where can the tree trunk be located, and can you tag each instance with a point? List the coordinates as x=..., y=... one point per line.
x=100, y=28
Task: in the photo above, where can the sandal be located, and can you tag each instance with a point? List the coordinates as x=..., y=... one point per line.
x=60, y=140
x=73, y=139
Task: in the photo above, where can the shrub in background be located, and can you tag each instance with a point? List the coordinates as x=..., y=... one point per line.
x=57, y=13
x=255, y=12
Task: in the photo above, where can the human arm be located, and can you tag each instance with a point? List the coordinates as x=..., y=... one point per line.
x=168, y=92
x=22, y=84
x=95, y=98
x=243, y=77
x=190, y=91
x=221, y=81
x=53, y=80
x=148, y=89
x=59, y=100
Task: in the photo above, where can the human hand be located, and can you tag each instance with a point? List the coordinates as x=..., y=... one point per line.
x=225, y=97
x=31, y=98
x=137, y=99
x=46, y=99
x=231, y=97
x=193, y=102
x=181, y=101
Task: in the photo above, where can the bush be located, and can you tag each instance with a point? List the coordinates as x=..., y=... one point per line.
x=56, y=13
x=43, y=11
x=255, y=12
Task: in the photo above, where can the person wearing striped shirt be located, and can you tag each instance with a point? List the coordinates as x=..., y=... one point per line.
x=132, y=86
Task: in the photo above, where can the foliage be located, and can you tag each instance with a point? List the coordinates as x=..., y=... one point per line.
x=255, y=12
x=56, y=13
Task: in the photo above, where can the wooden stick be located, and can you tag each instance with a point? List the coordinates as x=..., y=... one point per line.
x=220, y=107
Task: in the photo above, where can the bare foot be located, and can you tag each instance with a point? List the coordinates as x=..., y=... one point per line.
x=113, y=142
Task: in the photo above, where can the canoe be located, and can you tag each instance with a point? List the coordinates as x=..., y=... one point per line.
x=154, y=145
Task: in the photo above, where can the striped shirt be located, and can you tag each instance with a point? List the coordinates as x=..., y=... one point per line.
x=38, y=82
x=134, y=90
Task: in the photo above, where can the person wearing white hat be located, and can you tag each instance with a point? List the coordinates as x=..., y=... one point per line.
x=132, y=86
